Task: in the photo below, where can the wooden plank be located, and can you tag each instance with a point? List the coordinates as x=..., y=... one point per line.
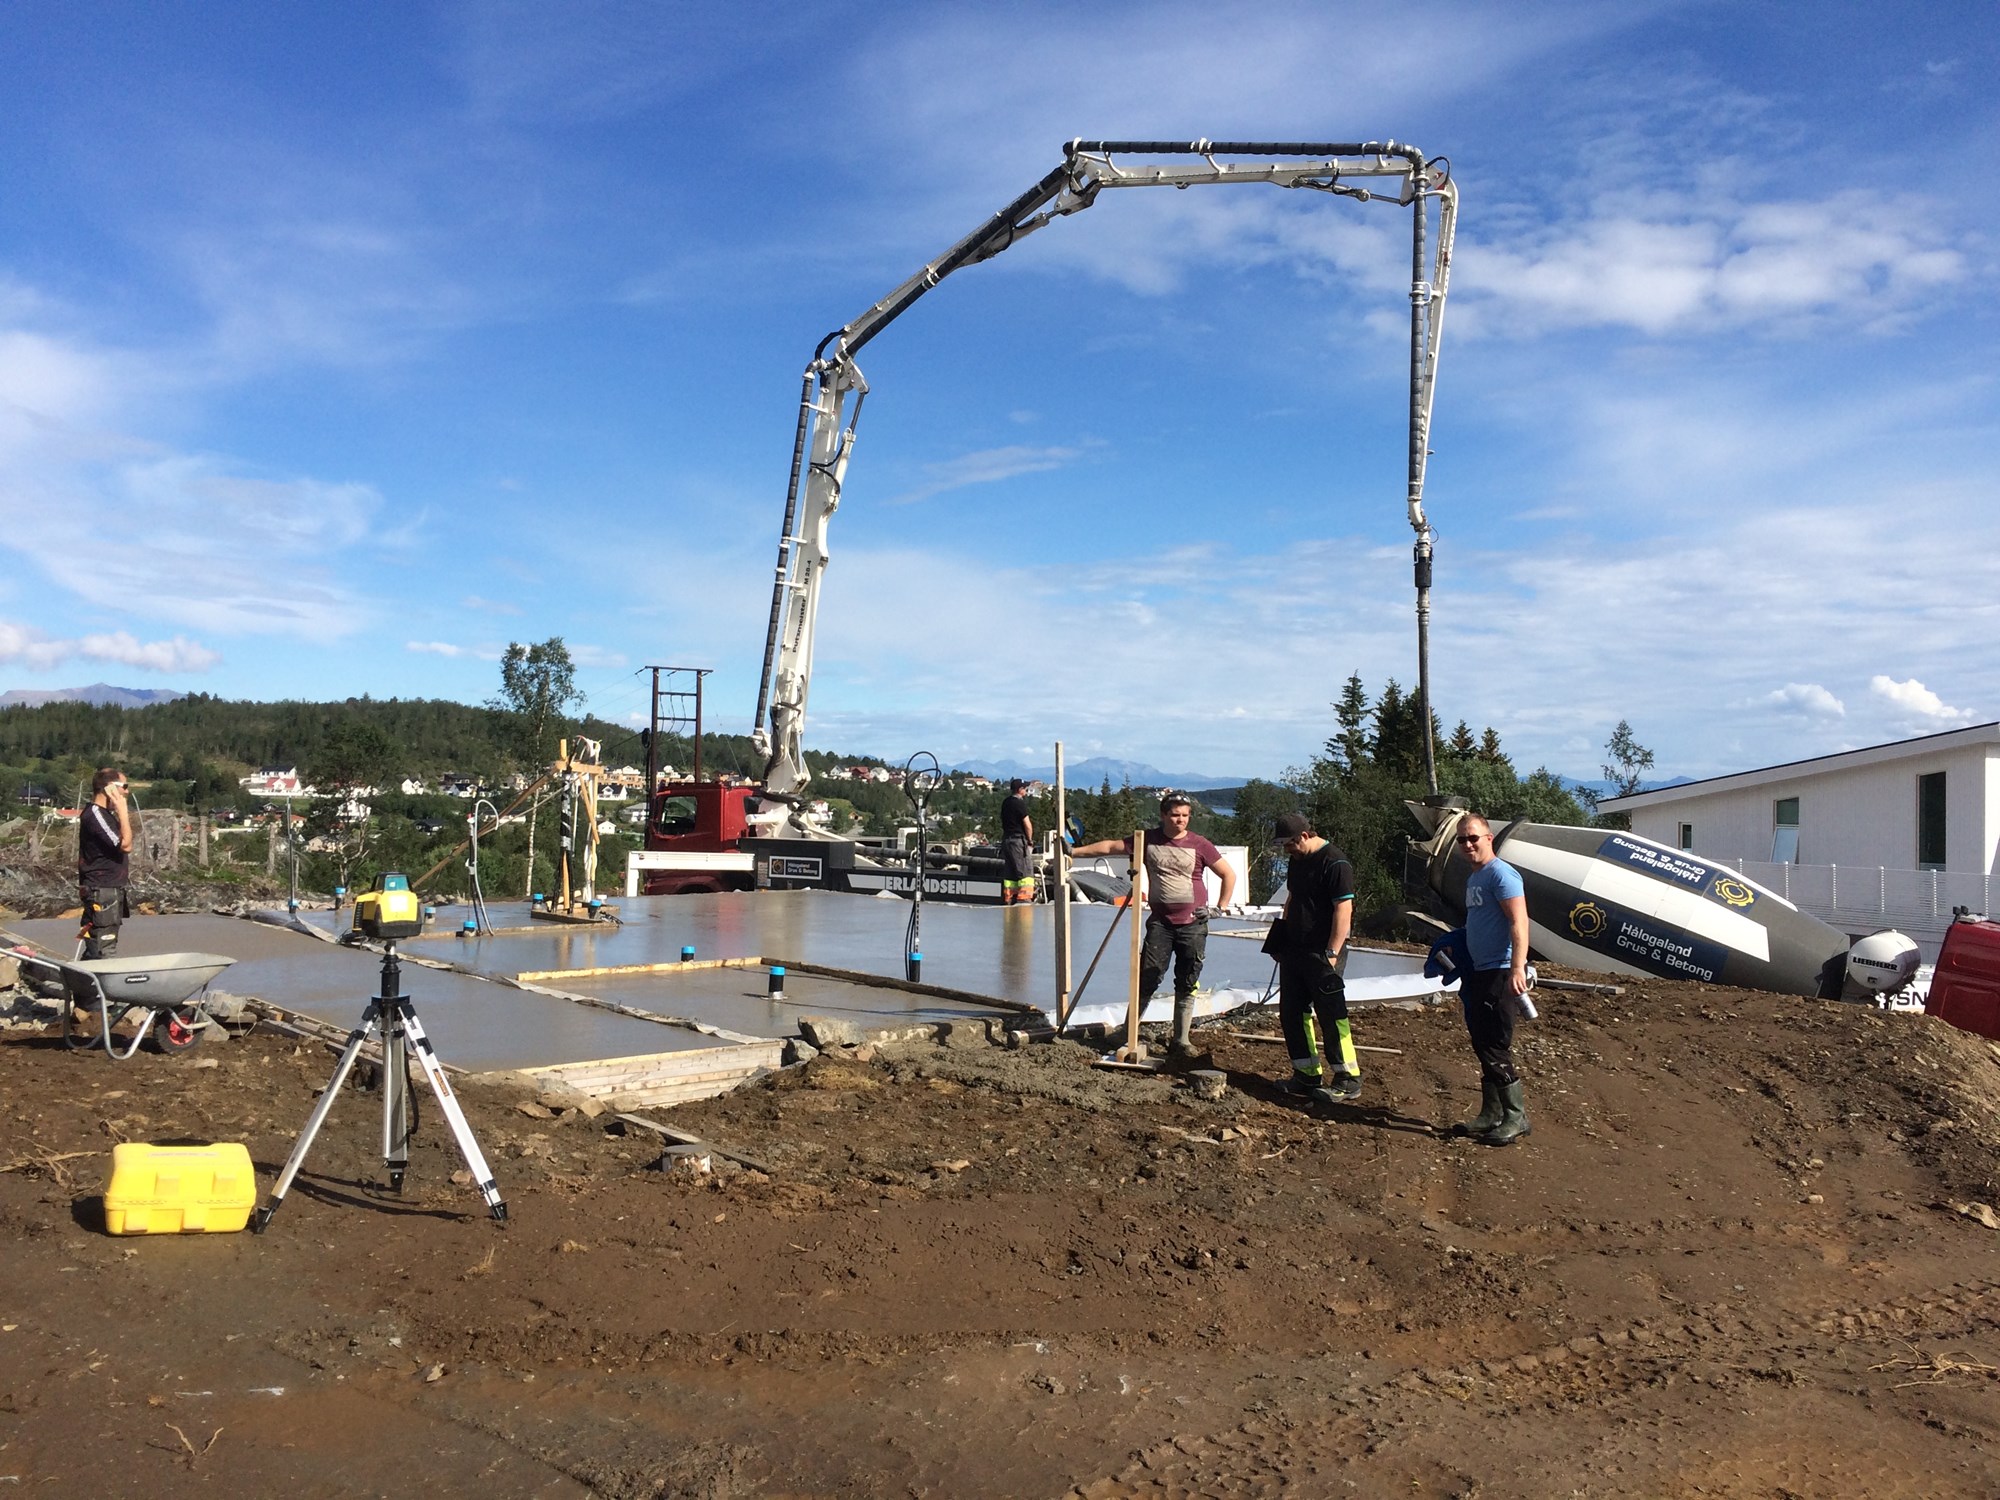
x=686, y=1138
x=691, y=966
x=908, y=986
x=691, y=1059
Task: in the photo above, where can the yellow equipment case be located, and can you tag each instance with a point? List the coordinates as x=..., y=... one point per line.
x=179, y=1189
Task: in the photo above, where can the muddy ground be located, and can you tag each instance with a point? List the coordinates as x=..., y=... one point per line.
x=1727, y=1263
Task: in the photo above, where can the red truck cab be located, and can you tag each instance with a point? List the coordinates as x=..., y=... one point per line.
x=699, y=818
x=1965, y=986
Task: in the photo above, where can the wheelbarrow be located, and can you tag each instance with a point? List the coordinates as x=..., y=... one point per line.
x=164, y=988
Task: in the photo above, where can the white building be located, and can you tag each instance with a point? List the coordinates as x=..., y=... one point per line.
x=1891, y=835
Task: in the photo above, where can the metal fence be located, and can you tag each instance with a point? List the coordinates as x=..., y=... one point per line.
x=1862, y=898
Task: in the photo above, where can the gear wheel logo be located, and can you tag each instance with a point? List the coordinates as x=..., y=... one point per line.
x=1587, y=920
x=1734, y=892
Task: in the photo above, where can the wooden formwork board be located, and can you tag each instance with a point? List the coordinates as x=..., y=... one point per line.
x=792, y=966
x=664, y=1077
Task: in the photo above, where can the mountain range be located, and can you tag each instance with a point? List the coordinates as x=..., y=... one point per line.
x=98, y=693
x=1094, y=772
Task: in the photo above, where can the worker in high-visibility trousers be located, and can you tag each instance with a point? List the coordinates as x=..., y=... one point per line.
x=1310, y=945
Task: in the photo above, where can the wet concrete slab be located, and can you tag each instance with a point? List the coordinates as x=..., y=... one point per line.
x=983, y=950
x=474, y=1024
x=1005, y=953
x=738, y=999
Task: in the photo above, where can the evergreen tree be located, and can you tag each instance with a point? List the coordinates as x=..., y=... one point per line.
x=1349, y=748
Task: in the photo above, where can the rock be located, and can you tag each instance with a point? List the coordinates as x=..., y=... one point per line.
x=799, y=1050
x=555, y=1095
x=10, y=971
x=865, y=1053
x=535, y=1111
x=226, y=1007
x=825, y=1032
x=1979, y=1213
x=964, y=1034
x=1209, y=1083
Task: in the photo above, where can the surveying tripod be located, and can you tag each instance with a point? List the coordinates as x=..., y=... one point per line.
x=395, y=1015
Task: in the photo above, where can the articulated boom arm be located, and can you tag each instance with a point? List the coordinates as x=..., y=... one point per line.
x=833, y=388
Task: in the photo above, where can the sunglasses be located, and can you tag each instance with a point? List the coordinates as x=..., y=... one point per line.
x=1472, y=838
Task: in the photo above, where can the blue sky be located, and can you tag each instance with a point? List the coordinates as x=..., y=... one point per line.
x=340, y=346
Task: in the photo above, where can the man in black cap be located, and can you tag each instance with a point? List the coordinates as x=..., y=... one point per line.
x=1017, y=847
x=104, y=862
x=1312, y=956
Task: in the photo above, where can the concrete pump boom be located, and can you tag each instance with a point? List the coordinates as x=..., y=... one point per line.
x=833, y=389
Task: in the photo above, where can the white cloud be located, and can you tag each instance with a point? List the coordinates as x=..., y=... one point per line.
x=1912, y=698
x=25, y=646
x=1805, y=698
x=1691, y=263
x=987, y=466
x=447, y=649
x=124, y=524
x=489, y=606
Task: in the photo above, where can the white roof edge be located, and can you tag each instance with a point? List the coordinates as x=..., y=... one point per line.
x=1949, y=739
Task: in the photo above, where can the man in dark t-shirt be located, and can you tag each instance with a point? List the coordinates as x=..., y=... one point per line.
x=1312, y=959
x=1017, y=847
x=1176, y=908
x=103, y=863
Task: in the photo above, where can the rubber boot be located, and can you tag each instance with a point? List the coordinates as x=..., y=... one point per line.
x=1182, y=1049
x=1489, y=1110
x=1513, y=1117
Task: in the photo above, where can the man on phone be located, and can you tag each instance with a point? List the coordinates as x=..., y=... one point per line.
x=104, y=862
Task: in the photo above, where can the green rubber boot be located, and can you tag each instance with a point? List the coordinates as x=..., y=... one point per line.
x=1513, y=1118
x=1489, y=1110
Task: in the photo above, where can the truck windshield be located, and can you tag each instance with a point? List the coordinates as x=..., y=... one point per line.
x=675, y=815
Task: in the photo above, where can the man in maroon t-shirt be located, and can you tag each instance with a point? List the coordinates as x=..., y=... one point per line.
x=1176, y=907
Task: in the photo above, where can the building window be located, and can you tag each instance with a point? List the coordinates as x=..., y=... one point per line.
x=1930, y=821
x=1785, y=831
x=1687, y=836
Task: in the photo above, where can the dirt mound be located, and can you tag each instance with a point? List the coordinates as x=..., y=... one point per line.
x=1727, y=1262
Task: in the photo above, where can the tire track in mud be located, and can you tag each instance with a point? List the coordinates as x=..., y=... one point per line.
x=1276, y=1452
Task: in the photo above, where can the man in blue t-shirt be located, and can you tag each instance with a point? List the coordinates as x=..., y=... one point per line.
x=1496, y=934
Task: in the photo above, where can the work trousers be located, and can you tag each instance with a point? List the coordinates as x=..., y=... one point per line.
x=1187, y=942
x=1017, y=871
x=1312, y=1009
x=1488, y=1000
x=104, y=911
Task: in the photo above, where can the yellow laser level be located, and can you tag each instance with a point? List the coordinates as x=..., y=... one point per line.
x=389, y=910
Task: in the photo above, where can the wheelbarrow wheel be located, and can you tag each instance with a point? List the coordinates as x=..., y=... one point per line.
x=177, y=1030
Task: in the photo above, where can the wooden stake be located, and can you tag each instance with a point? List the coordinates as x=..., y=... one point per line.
x=1134, y=1050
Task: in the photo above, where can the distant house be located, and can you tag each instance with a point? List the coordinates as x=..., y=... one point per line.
x=976, y=783
x=34, y=794
x=412, y=786
x=274, y=781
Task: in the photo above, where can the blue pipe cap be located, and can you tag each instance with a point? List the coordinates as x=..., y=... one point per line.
x=687, y=952
x=469, y=927
x=777, y=971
